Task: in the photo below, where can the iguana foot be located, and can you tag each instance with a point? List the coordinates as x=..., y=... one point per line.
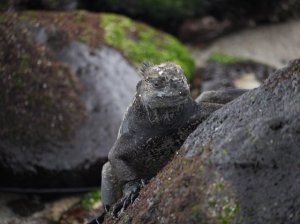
x=131, y=192
x=99, y=219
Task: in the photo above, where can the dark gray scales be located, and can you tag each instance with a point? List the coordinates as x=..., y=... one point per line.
x=156, y=124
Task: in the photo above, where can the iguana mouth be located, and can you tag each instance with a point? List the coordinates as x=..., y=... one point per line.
x=166, y=102
x=164, y=115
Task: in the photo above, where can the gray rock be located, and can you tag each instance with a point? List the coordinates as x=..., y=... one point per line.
x=254, y=145
x=241, y=165
x=108, y=82
x=216, y=76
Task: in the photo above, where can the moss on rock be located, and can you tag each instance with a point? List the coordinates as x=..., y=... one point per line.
x=186, y=191
x=137, y=41
x=140, y=42
x=222, y=58
x=90, y=199
x=39, y=96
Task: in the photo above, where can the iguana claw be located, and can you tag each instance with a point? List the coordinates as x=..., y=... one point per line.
x=131, y=192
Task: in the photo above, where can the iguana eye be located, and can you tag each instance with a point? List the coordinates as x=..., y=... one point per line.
x=149, y=80
x=158, y=84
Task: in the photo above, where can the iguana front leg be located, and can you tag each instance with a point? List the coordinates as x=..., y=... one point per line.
x=123, y=158
x=131, y=191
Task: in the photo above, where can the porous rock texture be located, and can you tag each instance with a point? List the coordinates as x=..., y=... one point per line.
x=62, y=100
x=218, y=76
x=241, y=165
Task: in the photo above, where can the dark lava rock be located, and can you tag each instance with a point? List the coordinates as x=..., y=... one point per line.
x=62, y=102
x=223, y=16
x=184, y=18
x=188, y=19
x=223, y=75
x=241, y=165
x=26, y=206
x=201, y=30
x=12, y=5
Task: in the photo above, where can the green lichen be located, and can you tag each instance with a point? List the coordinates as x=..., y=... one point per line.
x=2, y=18
x=24, y=62
x=140, y=42
x=225, y=58
x=80, y=16
x=85, y=36
x=228, y=211
x=90, y=199
x=125, y=218
x=27, y=15
x=38, y=96
x=197, y=213
x=222, y=204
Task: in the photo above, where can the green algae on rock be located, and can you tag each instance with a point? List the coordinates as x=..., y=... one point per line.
x=58, y=116
x=222, y=58
x=38, y=95
x=139, y=42
x=227, y=71
x=90, y=199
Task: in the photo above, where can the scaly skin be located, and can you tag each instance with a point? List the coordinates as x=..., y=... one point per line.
x=155, y=125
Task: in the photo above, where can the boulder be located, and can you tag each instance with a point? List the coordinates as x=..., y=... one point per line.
x=226, y=16
x=63, y=103
x=224, y=71
x=66, y=85
x=239, y=166
x=200, y=21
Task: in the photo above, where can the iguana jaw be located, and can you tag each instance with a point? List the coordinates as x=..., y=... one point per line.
x=166, y=114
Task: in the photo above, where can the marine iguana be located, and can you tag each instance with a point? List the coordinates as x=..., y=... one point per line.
x=156, y=124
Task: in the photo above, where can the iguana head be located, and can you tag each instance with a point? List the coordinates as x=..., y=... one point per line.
x=163, y=89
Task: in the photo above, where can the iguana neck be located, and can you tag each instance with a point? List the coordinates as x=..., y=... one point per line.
x=162, y=118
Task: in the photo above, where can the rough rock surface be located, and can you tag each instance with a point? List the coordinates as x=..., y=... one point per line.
x=63, y=103
x=217, y=76
x=239, y=166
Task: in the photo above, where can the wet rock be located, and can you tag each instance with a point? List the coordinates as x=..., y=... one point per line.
x=200, y=21
x=39, y=4
x=273, y=45
x=226, y=16
x=29, y=208
x=80, y=213
x=26, y=206
x=239, y=166
x=224, y=71
x=63, y=102
x=199, y=31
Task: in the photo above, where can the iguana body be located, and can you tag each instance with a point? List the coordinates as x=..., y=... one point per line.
x=155, y=125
